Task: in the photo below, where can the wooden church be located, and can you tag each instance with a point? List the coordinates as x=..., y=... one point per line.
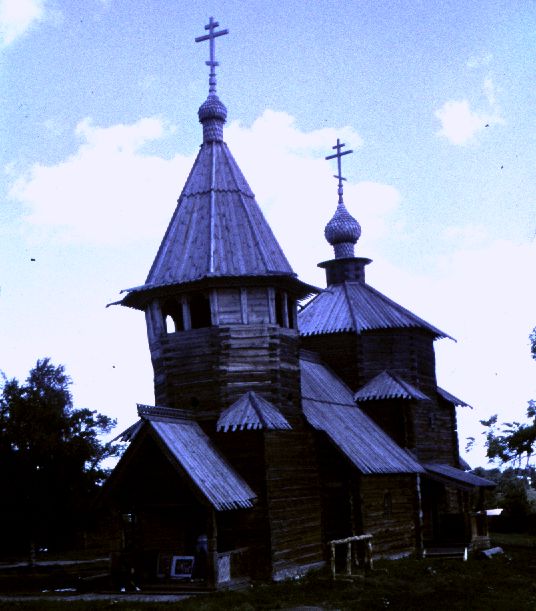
x=279, y=432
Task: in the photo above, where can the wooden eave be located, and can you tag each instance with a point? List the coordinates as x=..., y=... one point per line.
x=357, y=307
x=387, y=385
x=450, y=398
x=138, y=297
x=456, y=477
x=251, y=412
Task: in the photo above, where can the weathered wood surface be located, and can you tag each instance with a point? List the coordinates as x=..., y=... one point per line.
x=394, y=527
x=293, y=499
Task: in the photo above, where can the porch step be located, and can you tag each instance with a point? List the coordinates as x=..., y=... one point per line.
x=459, y=553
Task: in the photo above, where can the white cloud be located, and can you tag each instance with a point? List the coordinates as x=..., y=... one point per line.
x=465, y=236
x=16, y=17
x=479, y=60
x=109, y=191
x=295, y=187
x=460, y=123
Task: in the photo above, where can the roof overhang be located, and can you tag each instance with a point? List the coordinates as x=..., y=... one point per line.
x=139, y=297
x=456, y=477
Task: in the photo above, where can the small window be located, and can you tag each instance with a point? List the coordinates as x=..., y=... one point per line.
x=291, y=309
x=200, y=311
x=172, y=313
x=387, y=505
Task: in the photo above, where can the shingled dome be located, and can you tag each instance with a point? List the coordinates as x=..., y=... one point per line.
x=212, y=115
x=342, y=232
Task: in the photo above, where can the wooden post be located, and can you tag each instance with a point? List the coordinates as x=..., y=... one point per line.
x=349, y=558
x=333, y=568
x=212, y=556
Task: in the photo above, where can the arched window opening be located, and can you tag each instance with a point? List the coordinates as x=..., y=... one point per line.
x=291, y=310
x=200, y=311
x=172, y=313
x=279, y=309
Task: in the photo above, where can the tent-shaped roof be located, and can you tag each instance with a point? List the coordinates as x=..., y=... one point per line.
x=357, y=307
x=217, y=231
x=251, y=411
x=387, y=385
x=329, y=407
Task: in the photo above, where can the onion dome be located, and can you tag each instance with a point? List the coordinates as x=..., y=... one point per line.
x=342, y=232
x=212, y=116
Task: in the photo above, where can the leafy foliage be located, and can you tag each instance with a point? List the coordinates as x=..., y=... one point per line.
x=512, y=442
x=51, y=456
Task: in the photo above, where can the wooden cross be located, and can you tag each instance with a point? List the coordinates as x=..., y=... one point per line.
x=211, y=36
x=338, y=155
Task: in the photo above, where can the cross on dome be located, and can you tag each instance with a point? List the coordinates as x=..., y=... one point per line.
x=211, y=37
x=338, y=155
x=342, y=231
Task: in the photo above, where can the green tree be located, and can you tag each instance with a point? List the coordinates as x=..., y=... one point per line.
x=51, y=456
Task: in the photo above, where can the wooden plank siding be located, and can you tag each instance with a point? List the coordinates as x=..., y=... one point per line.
x=293, y=501
x=389, y=506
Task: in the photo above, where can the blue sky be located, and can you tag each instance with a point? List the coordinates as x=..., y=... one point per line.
x=99, y=129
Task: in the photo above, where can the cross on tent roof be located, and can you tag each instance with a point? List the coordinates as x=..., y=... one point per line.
x=211, y=36
x=338, y=155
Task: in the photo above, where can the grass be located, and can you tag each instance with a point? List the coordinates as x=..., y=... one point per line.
x=501, y=583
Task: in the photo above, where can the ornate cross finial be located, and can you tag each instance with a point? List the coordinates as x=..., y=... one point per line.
x=211, y=36
x=338, y=154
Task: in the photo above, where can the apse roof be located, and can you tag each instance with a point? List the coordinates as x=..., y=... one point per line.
x=328, y=406
x=357, y=307
x=387, y=385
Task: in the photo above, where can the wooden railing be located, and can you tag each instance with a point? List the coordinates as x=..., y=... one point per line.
x=358, y=553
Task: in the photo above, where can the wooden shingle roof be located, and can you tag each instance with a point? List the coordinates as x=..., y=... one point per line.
x=217, y=231
x=357, y=307
x=328, y=406
x=252, y=411
x=451, y=398
x=457, y=477
x=387, y=385
x=194, y=452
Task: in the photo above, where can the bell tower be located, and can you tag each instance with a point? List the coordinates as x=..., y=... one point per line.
x=220, y=297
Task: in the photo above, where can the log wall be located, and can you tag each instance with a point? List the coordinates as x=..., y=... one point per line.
x=428, y=427
x=293, y=501
x=209, y=369
x=389, y=505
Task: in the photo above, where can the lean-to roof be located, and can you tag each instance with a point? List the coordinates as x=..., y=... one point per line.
x=329, y=407
x=357, y=307
x=457, y=477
